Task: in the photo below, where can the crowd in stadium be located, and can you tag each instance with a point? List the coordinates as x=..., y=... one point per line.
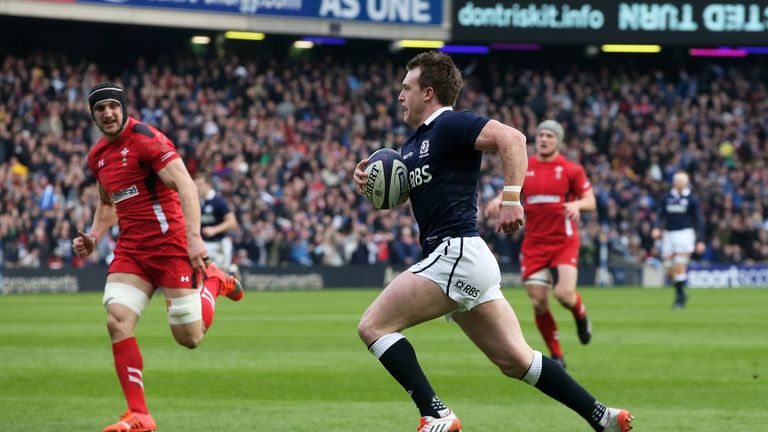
x=280, y=141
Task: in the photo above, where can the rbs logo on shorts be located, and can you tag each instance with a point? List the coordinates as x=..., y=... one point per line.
x=466, y=288
x=419, y=176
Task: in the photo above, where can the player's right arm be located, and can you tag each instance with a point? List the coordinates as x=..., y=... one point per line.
x=103, y=219
x=660, y=217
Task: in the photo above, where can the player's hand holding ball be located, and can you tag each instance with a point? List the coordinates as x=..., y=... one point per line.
x=383, y=179
x=361, y=177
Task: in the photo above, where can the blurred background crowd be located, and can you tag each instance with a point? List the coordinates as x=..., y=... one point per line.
x=279, y=141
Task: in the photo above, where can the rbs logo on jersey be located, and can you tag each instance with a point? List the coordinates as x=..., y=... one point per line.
x=419, y=176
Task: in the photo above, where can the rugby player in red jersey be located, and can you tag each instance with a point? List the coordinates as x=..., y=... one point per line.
x=145, y=188
x=555, y=192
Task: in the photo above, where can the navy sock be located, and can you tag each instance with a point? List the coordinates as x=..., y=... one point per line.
x=680, y=288
x=400, y=361
x=555, y=382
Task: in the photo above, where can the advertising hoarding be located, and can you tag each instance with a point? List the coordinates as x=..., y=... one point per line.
x=608, y=21
x=409, y=12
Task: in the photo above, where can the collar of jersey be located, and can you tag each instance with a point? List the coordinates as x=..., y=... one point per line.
x=209, y=196
x=435, y=114
x=128, y=125
x=677, y=194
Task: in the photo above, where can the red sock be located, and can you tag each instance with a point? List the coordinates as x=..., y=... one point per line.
x=548, y=328
x=129, y=365
x=578, y=310
x=208, y=294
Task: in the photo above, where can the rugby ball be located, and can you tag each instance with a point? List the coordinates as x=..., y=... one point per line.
x=387, y=185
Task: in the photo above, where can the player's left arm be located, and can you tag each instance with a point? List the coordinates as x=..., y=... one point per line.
x=698, y=223
x=586, y=201
x=510, y=143
x=229, y=223
x=176, y=176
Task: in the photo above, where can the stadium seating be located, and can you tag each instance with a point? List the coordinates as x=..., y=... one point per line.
x=280, y=142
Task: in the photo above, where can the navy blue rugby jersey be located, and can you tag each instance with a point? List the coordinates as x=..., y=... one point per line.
x=680, y=211
x=213, y=210
x=444, y=169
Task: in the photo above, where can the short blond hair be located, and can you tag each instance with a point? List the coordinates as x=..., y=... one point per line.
x=681, y=176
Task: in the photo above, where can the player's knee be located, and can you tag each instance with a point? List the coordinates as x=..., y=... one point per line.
x=566, y=296
x=510, y=366
x=190, y=341
x=118, y=327
x=539, y=300
x=185, y=310
x=131, y=301
x=539, y=306
x=680, y=262
x=370, y=331
x=366, y=331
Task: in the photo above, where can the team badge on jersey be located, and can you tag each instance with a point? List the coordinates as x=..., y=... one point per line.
x=424, y=151
x=124, y=153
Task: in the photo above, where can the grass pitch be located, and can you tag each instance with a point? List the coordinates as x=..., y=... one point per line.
x=291, y=361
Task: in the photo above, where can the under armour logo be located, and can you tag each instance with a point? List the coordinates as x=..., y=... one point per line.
x=185, y=278
x=101, y=163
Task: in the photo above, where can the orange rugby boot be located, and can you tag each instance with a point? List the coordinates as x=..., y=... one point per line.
x=449, y=423
x=230, y=286
x=133, y=422
x=619, y=420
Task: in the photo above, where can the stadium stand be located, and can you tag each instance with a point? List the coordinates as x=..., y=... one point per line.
x=280, y=142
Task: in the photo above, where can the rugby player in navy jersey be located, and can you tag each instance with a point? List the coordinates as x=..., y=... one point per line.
x=679, y=223
x=216, y=220
x=458, y=276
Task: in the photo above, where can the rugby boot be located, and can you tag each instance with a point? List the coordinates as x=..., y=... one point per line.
x=584, y=329
x=449, y=423
x=229, y=287
x=619, y=420
x=133, y=422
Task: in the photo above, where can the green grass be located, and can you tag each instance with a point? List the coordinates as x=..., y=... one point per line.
x=291, y=361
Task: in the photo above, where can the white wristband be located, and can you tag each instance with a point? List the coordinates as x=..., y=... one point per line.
x=511, y=204
x=513, y=188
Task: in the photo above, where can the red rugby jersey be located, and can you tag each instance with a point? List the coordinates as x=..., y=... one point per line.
x=149, y=212
x=548, y=185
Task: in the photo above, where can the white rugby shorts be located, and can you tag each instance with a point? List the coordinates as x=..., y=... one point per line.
x=678, y=242
x=465, y=269
x=220, y=252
